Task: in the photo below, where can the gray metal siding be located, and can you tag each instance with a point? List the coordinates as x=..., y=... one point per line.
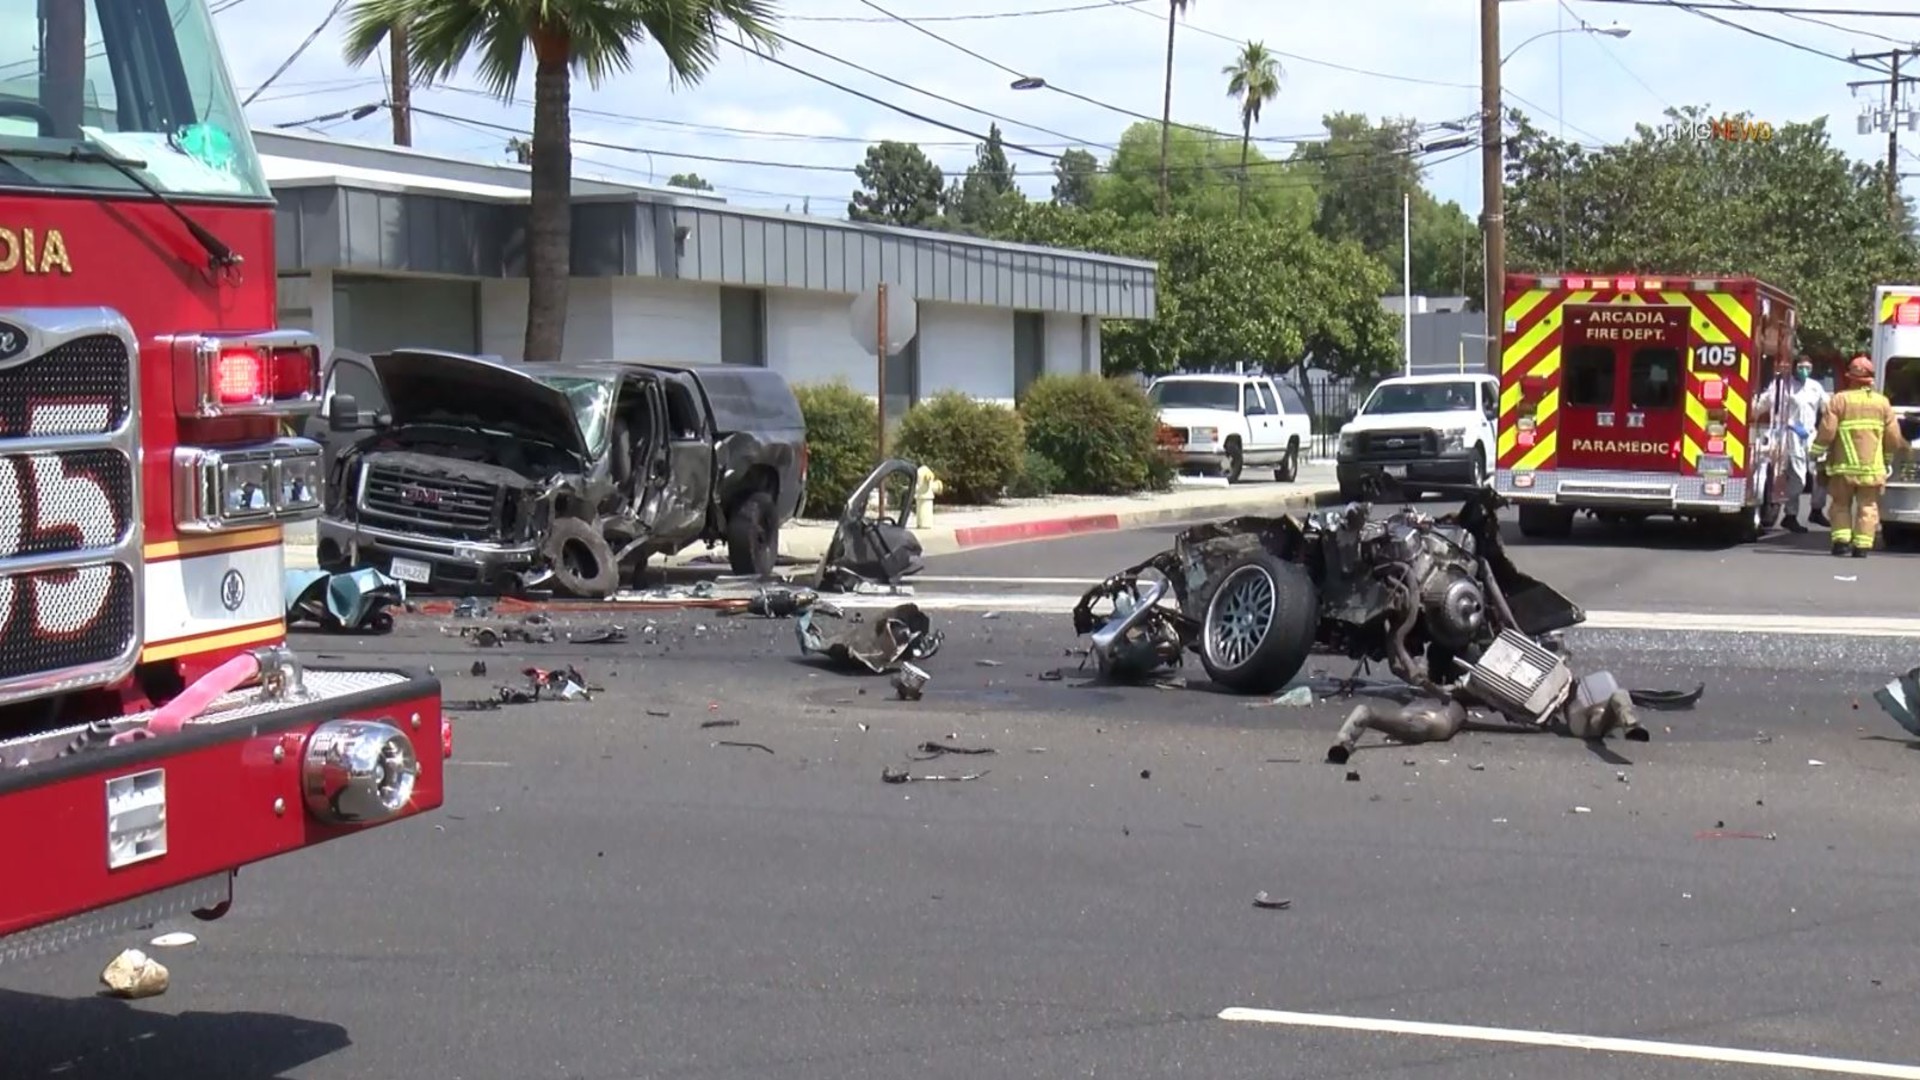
x=369, y=229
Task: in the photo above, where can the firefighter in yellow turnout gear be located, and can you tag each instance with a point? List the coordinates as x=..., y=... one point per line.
x=1858, y=432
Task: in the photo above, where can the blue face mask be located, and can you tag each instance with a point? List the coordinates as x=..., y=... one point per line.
x=1803, y=372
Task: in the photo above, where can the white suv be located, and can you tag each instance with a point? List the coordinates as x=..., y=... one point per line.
x=1437, y=428
x=1223, y=423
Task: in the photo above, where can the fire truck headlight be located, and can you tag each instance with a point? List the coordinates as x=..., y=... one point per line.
x=246, y=488
x=357, y=772
x=299, y=485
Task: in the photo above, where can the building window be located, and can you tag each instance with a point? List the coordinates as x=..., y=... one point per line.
x=743, y=327
x=1029, y=350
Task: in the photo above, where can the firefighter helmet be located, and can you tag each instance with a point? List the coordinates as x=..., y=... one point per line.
x=1860, y=370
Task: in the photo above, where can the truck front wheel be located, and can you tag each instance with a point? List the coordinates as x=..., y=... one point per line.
x=753, y=536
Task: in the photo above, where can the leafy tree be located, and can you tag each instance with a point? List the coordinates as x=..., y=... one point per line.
x=1203, y=171
x=900, y=186
x=987, y=193
x=1175, y=9
x=690, y=181
x=1254, y=78
x=1793, y=210
x=1265, y=292
x=590, y=37
x=1074, y=177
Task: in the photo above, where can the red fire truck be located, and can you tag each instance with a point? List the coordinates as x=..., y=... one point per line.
x=155, y=732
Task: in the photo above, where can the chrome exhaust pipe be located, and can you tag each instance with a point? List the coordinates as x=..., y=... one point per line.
x=1103, y=640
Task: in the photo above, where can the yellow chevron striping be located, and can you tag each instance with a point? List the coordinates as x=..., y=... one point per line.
x=1548, y=324
x=1538, y=456
x=1734, y=310
x=1736, y=406
x=1697, y=412
x=1737, y=450
x=1524, y=306
x=1690, y=450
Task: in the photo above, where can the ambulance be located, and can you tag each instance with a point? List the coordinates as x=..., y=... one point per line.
x=1627, y=396
x=1896, y=373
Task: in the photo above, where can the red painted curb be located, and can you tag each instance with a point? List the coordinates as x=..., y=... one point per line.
x=1035, y=530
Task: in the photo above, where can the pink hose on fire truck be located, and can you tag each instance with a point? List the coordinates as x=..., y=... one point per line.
x=207, y=689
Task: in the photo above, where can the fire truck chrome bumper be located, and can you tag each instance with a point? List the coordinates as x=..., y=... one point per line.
x=247, y=486
x=357, y=772
x=204, y=894
x=1901, y=504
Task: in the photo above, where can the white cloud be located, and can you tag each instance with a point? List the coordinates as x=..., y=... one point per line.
x=1598, y=87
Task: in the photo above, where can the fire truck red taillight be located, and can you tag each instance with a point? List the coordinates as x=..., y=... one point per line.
x=276, y=373
x=239, y=377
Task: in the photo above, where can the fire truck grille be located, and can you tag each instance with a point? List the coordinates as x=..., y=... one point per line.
x=71, y=501
x=66, y=618
x=441, y=506
x=83, y=387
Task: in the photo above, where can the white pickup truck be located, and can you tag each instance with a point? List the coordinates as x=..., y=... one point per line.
x=1223, y=423
x=1441, y=429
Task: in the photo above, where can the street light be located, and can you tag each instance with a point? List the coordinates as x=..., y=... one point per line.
x=1614, y=31
x=1029, y=82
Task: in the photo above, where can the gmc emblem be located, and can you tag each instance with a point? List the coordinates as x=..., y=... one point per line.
x=420, y=496
x=1396, y=442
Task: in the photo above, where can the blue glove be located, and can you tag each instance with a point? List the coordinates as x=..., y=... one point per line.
x=1798, y=429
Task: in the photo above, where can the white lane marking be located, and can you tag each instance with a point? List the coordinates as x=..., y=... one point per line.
x=1720, y=1054
x=975, y=580
x=484, y=764
x=1679, y=622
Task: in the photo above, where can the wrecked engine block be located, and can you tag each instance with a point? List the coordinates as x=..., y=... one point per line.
x=1436, y=599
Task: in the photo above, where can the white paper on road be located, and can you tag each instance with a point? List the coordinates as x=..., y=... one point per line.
x=1718, y=1054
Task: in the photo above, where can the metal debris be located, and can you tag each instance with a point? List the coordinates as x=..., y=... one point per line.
x=1900, y=699
x=902, y=776
x=704, y=724
x=895, y=636
x=927, y=751
x=910, y=682
x=745, y=745
x=1270, y=903
x=353, y=602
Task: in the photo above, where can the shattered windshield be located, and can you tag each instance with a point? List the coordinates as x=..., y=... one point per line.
x=1196, y=394
x=592, y=401
x=141, y=79
x=1394, y=398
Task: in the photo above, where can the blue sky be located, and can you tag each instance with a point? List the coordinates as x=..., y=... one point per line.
x=1417, y=58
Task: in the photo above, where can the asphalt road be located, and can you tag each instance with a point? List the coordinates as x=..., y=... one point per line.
x=611, y=894
x=1661, y=566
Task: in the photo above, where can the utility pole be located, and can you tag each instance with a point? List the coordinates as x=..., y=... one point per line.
x=1891, y=119
x=401, y=93
x=1493, y=201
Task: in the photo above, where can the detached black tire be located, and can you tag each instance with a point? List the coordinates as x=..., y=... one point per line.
x=1259, y=624
x=753, y=536
x=582, y=562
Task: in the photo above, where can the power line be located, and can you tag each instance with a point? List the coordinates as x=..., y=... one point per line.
x=802, y=166
x=1607, y=50
x=979, y=17
x=1698, y=9
x=896, y=82
x=1772, y=9
x=1123, y=5
x=288, y=62
x=1745, y=4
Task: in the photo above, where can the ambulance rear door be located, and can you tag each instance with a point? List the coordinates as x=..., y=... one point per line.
x=1623, y=386
x=1896, y=368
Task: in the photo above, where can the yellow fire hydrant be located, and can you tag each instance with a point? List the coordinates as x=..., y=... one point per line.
x=926, y=486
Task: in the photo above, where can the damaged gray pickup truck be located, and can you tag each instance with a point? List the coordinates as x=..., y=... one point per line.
x=459, y=472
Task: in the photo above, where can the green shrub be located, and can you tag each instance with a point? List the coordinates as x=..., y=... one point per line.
x=841, y=433
x=1038, y=478
x=976, y=448
x=1100, y=432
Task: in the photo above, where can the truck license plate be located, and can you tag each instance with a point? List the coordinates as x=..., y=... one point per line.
x=412, y=570
x=1396, y=472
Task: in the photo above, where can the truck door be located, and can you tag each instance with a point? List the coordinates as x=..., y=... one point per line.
x=690, y=463
x=1623, y=387
x=349, y=374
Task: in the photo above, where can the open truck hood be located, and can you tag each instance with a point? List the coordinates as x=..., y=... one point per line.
x=424, y=386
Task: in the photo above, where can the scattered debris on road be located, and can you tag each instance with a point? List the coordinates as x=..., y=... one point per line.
x=927, y=751
x=895, y=636
x=745, y=745
x=357, y=601
x=871, y=548
x=902, y=776
x=704, y=724
x=1900, y=699
x=133, y=974
x=174, y=940
x=910, y=682
x=1270, y=903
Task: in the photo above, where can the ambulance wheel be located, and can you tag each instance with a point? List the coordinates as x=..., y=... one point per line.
x=1546, y=522
x=1744, y=527
x=1769, y=508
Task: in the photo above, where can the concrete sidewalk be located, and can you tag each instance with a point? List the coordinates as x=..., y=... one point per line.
x=1019, y=520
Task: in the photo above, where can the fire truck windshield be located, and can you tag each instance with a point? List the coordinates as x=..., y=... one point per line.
x=142, y=80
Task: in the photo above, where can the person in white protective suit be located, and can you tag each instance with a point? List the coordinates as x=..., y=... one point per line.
x=1798, y=398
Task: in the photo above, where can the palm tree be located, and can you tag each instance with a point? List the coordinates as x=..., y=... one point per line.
x=1174, y=8
x=592, y=37
x=1254, y=78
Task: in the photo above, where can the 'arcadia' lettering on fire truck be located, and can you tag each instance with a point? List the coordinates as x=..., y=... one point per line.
x=25, y=250
x=1628, y=323
x=1619, y=446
